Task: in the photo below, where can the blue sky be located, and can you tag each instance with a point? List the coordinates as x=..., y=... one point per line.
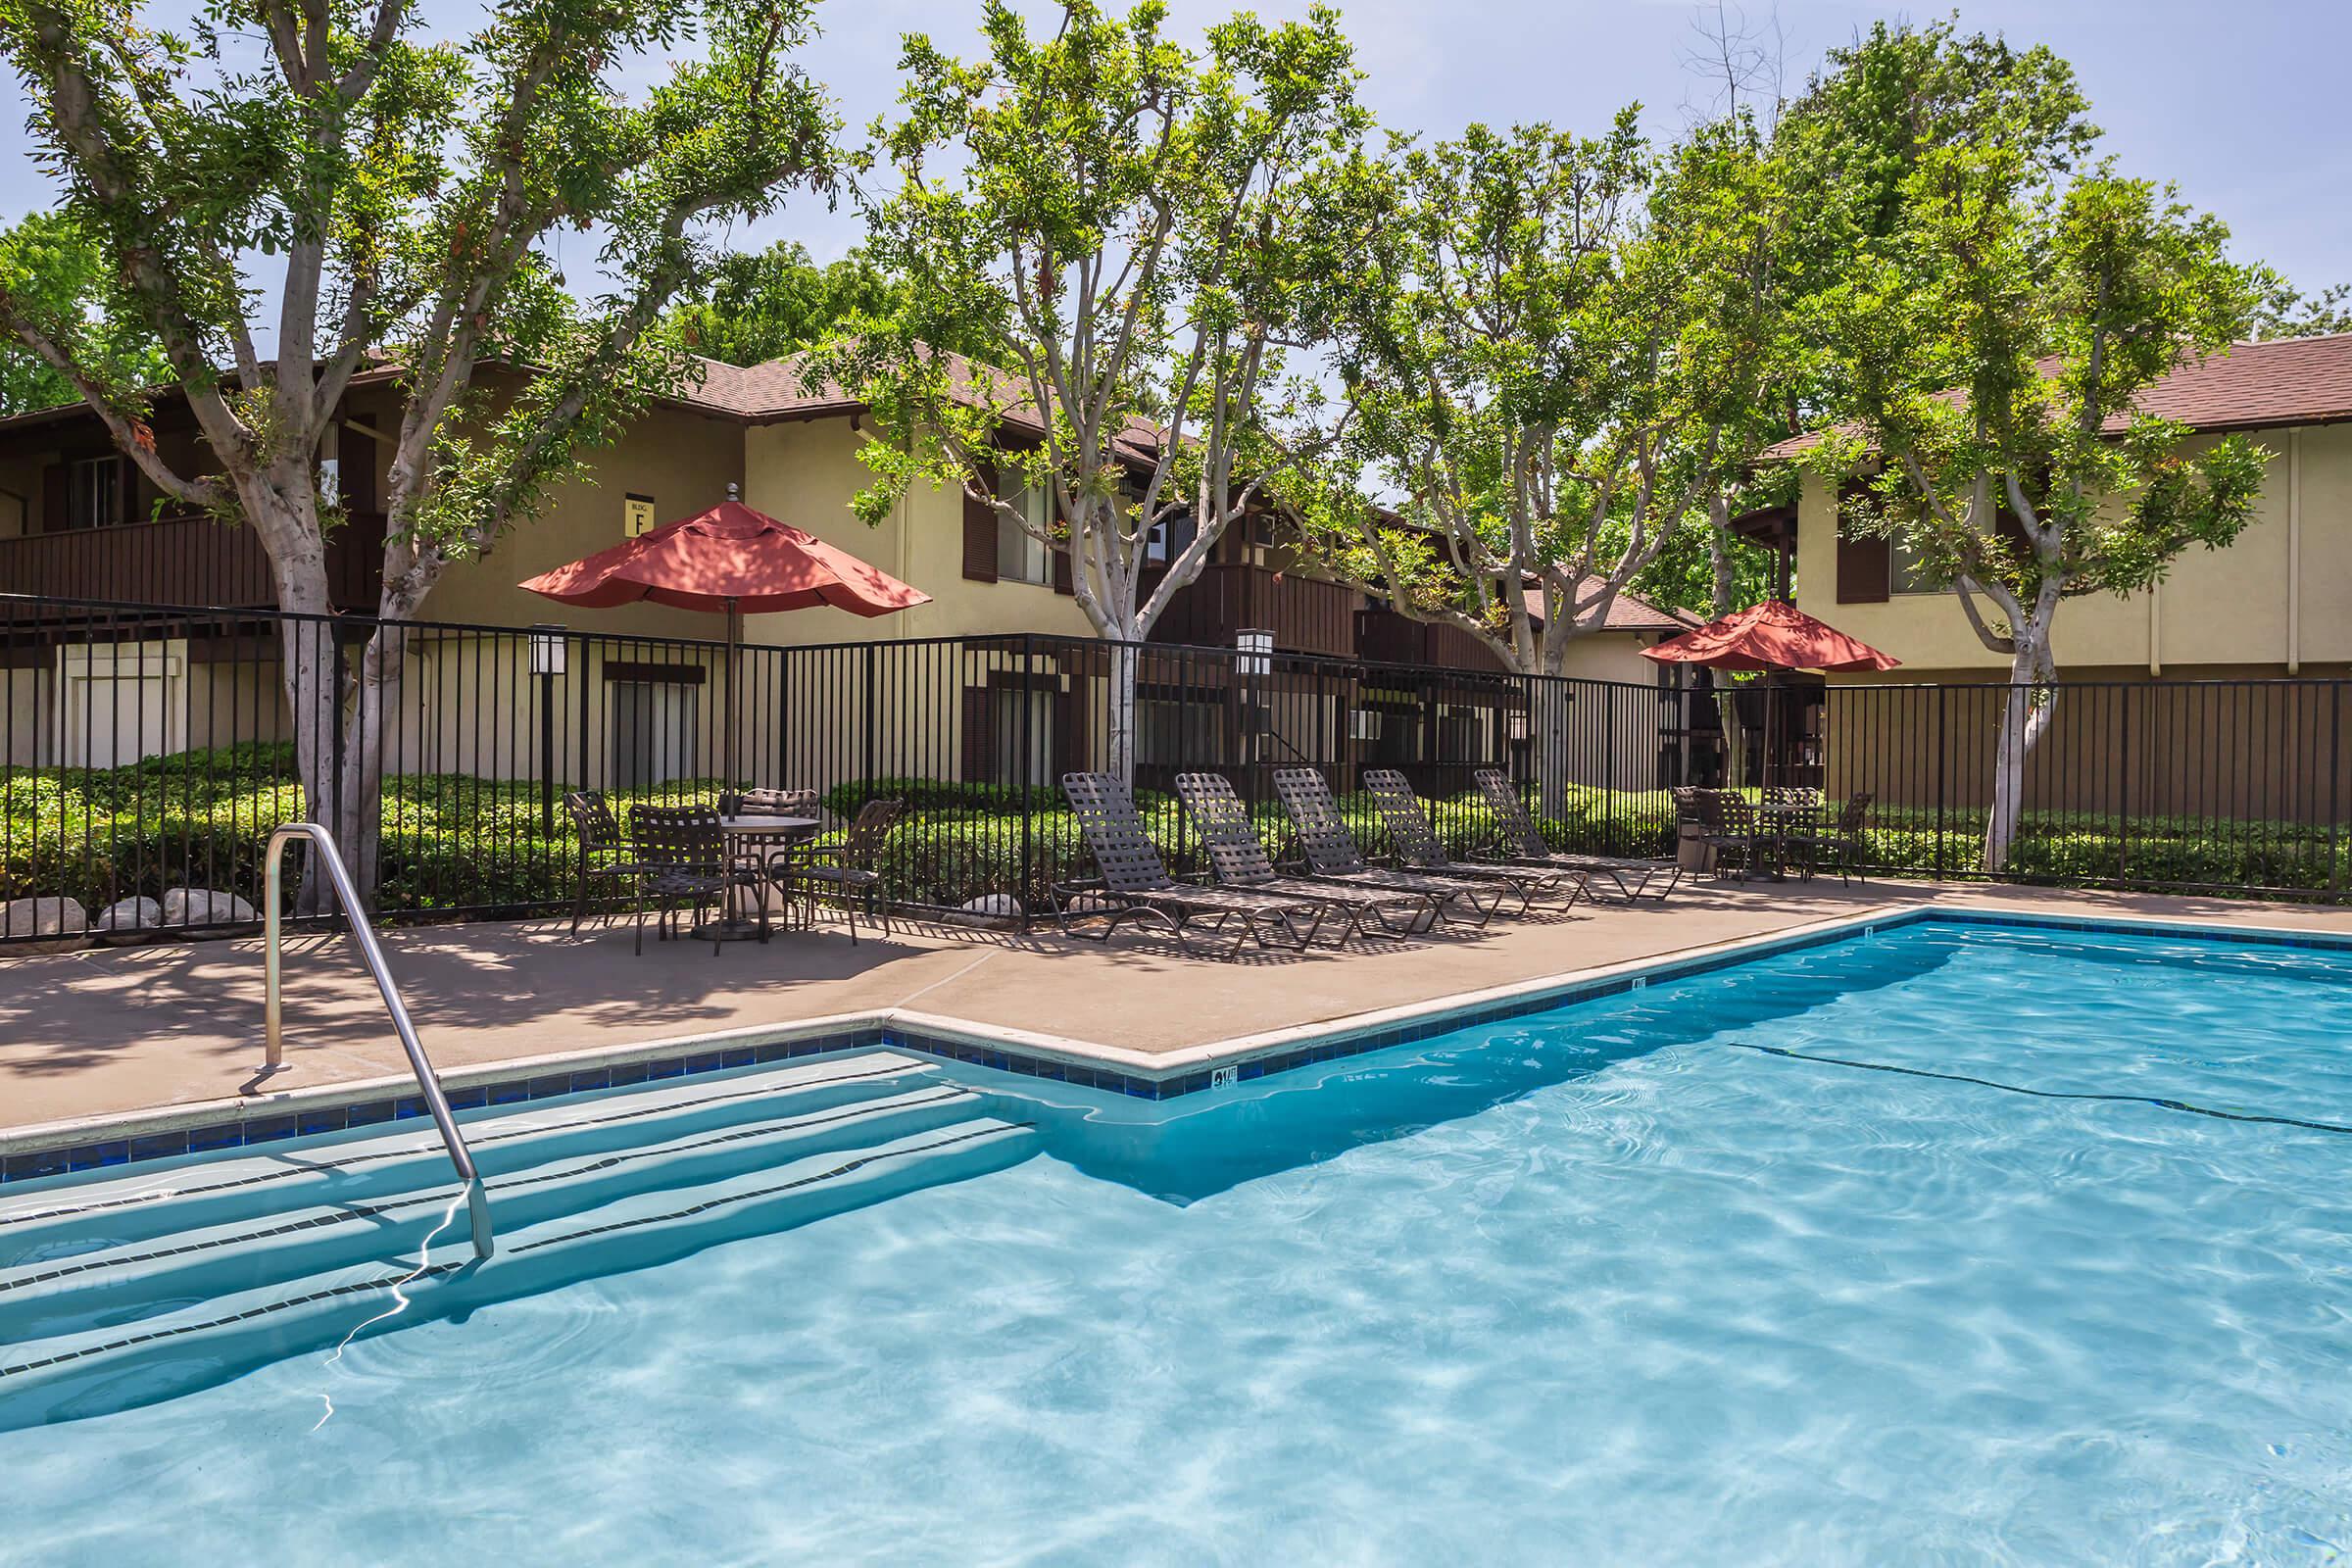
x=2243, y=104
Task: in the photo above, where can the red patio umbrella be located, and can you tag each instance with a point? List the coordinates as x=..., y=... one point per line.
x=732, y=560
x=1773, y=635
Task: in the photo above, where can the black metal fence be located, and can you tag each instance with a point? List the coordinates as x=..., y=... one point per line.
x=146, y=753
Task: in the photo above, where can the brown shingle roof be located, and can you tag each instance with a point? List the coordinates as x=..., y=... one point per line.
x=2249, y=386
x=1629, y=612
x=778, y=390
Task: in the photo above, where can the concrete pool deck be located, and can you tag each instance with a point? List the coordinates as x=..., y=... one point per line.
x=107, y=1032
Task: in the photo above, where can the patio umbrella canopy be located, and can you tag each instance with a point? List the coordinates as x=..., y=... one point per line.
x=729, y=561
x=1773, y=635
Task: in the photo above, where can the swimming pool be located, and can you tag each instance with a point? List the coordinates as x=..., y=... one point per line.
x=1811, y=1259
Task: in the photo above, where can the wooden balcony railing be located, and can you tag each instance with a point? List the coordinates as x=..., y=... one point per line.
x=185, y=560
x=1384, y=637
x=1306, y=614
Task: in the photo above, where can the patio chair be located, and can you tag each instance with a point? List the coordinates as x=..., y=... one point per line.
x=1238, y=859
x=772, y=802
x=1135, y=881
x=1727, y=826
x=1332, y=854
x=682, y=855
x=1525, y=846
x=1838, y=841
x=606, y=854
x=1793, y=837
x=844, y=872
x=1416, y=844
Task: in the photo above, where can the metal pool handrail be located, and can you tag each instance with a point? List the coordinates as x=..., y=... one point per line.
x=477, y=1201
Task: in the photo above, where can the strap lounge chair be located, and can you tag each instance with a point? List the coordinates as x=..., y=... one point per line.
x=1417, y=845
x=1332, y=852
x=1525, y=845
x=1238, y=860
x=1136, y=884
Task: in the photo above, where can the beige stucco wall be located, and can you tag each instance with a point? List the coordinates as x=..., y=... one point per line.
x=2279, y=596
x=806, y=473
x=684, y=461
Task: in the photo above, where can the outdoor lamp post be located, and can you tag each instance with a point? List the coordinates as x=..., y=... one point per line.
x=1253, y=658
x=551, y=655
x=1256, y=650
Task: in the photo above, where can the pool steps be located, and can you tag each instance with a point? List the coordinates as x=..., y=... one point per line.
x=115, y=1291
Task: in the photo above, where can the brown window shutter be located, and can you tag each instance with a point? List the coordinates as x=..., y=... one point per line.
x=1065, y=582
x=980, y=535
x=1865, y=567
x=53, y=498
x=979, y=737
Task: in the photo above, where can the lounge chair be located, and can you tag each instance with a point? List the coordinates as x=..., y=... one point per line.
x=1524, y=841
x=1417, y=845
x=1135, y=881
x=1238, y=859
x=1332, y=854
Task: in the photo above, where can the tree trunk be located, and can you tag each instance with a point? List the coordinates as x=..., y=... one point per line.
x=2026, y=709
x=1119, y=738
x=1719, y=554
x=1547, y=697
x=340, y=714
x=310, y=672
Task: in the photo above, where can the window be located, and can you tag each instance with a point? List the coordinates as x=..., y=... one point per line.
x=653, y=726
x=94, y=493
x=1018, y=715
x=331, y=481
x=1910, y=574
x=1170, y=537
x=1174, y=733
x=1022, y=554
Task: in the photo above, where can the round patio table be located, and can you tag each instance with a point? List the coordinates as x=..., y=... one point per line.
x=750, y=839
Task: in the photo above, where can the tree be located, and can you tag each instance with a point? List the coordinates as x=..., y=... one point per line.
x=1131, y=220
x=1991, y=351
x=2283, y=310
x=1551, y=347
x=54, y=268
x=321, y=180
x=763, y=305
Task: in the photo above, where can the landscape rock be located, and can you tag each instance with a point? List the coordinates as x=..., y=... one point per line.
x=203, y=907
x=129, y=918
x=63, y=919
x=1093, y=903
x=991, y=909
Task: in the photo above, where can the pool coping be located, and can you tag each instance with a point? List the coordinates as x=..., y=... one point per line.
x=40, y=1149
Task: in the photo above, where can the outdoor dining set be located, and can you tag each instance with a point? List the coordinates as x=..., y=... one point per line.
x=729, y=857
x=1788, y=827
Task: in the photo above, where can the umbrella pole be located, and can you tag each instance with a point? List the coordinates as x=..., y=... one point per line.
x=734, y=694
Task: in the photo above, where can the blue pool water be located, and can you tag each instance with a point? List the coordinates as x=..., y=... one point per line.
x=1604, y=1284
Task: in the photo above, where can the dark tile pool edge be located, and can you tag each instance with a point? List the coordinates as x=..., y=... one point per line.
x=272, y=1123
